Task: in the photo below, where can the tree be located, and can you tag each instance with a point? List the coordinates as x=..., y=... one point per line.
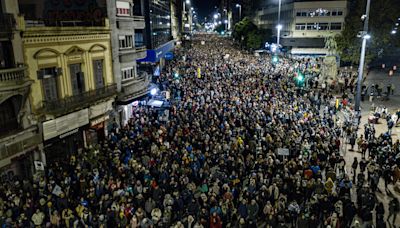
x=383, y=15
x=220, y=28
x=254, y=40
x=249, y=35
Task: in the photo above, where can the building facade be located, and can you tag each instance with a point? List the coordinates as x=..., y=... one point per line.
x=157, y=36
x=127, y=38
x=306, y=24
x=69, y=62
x=20, y=138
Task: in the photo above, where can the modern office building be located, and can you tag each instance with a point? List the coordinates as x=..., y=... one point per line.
x=305, y=24
x=20, y=138
x=177, y=15
x=127, y=24
x=67, y=49
x=157, y=36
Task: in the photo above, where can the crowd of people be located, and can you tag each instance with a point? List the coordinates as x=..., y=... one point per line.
x=244, y=145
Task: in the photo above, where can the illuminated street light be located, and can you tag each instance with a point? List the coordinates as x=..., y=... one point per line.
x=240, y=11
x=362, y=58
x=279, y=26
x=394, y=31
x=188, y=2
x=153, y=91
x=215, y=16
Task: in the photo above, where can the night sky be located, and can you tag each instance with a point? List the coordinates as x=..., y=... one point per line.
x=205, y=7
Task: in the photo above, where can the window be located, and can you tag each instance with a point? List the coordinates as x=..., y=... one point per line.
x=48, y=76
x=340, y=13
x=127, y=73
x=323, y=26
x=77, y=79
x=125, y=42
x=6, y=55
x=312, y=26
x=123, y=8
x=336, y=26
x=50, y=92
x=98, y=73
x=139, y=38
x=302, y=13
x=301, y=26
x=9, y=110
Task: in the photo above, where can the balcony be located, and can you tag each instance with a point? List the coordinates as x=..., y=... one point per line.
x=132, y=54
x=69, y=104
x=138, y=22
x=7, y=25
x=21, y=141
x=13, y=75
x=135, y=87
x=14, y=79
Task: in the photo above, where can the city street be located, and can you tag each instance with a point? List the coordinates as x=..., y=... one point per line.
x=199, y=114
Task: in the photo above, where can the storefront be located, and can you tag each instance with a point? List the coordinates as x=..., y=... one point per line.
x=99, y=118
x=127, y=108
x=64, y=135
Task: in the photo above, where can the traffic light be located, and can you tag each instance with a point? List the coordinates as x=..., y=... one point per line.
x=300, y=77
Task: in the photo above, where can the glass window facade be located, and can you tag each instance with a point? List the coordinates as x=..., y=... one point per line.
x=160, y=22
x=159, y=27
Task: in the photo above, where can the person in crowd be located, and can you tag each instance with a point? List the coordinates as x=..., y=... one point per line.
x=216, y=160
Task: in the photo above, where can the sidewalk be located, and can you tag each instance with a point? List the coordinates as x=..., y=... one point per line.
x=380, y=128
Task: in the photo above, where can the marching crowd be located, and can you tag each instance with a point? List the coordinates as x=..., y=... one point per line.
x=243, y=146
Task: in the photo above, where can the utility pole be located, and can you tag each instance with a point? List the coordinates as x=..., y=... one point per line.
x=365, y=37
x=279, y=26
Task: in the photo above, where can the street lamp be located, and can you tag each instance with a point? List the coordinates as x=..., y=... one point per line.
x=279, y=26
x=188, y=2
x=215, y=16
x=394, y=31
x=365, y=37
x=240, y=11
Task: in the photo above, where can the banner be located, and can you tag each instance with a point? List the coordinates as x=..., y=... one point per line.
x=198, y=72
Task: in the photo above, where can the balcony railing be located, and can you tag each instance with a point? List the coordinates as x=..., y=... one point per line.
x=12, y=75
x=70, y=103
x=7, y=23
x=140, y=48
x=138, y=18
x=136, y=87
x=19, y=142
x=63, y=23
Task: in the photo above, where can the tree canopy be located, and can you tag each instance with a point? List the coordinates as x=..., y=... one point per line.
x=383, y=16
x=249, y=35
